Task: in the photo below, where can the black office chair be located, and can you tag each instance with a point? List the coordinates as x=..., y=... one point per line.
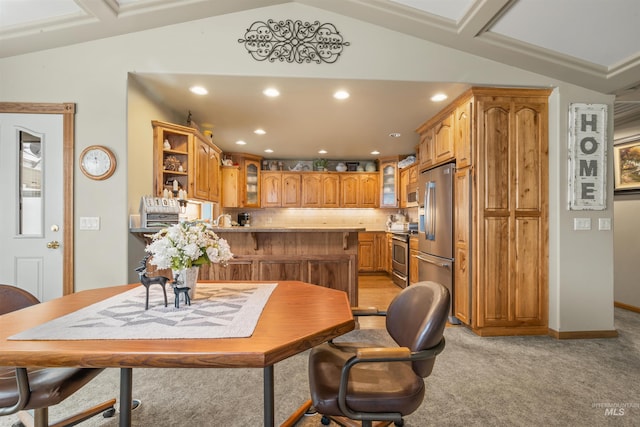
x=359, y=381
x=22, y=388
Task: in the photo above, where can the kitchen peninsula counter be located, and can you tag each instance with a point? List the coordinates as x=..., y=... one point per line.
x=325, y=256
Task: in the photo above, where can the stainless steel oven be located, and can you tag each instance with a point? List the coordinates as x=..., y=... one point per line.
x=400, y=259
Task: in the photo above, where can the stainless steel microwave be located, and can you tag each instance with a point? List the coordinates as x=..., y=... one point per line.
x=412, y=195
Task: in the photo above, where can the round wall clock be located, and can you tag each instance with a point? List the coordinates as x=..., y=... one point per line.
x=97, y=162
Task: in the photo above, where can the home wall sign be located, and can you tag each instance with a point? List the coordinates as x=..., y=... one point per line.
x=587, y=156
x=293, y=41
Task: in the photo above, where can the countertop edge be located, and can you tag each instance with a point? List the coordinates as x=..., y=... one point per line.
x=267, y=230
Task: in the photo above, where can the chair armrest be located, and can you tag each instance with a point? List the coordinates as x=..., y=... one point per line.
x=387, y=353
x=24, y=393
x=367, y=311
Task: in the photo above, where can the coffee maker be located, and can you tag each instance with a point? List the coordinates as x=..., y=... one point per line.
x=244, y=219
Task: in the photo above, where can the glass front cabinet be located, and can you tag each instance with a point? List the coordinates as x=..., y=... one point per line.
x=389, y=194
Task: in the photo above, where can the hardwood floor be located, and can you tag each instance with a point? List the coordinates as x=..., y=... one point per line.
x=375, y=291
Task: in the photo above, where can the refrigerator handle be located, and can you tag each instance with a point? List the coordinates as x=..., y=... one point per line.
x=439, y=264
x=430, y=209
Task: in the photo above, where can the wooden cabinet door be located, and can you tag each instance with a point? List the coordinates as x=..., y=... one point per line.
x=369, y=190
x=380, y=248
x=462, y=246
x=463, y=134
x=366, y=252
x=404, y=180
x=230, y=186
x=427, y=151
x=444, y=147
x=201, y=172
x=349, y=184
x=271, y=194
x=413, y=174
x=312, y=190
x=214, y=175
x=512, y=213
x=290, y=190
x=330, y=190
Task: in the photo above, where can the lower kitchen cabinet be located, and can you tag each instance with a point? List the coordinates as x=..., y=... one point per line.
x=414, y=263
x=373, y=252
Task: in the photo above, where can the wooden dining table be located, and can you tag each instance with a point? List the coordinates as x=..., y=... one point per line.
x=297, y=316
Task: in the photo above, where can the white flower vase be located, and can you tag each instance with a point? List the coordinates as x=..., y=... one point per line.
x=188, y=277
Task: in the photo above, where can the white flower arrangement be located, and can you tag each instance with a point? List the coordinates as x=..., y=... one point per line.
x=186, y=245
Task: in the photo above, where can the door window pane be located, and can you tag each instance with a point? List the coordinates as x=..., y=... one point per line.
x=30, y=185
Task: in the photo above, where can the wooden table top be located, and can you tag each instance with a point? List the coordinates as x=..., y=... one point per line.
x=297, y=316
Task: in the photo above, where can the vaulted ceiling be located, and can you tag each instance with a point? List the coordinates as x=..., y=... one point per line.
x=591, y=43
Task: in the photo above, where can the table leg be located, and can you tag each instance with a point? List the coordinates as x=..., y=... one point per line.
x=268, y=396
x=126, y=396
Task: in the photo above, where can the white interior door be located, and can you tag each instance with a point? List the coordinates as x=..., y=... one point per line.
x=31, y=221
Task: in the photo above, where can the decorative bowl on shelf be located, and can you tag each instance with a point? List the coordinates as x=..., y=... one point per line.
x=370, y=167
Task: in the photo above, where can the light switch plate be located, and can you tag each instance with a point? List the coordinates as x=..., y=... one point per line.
x=604, y=223
x=582, y=223
x=89, y=223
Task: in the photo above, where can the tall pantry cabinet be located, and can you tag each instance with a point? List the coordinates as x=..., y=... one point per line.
x=501, y=210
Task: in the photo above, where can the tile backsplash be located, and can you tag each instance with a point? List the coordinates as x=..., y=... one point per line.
x=371, y=219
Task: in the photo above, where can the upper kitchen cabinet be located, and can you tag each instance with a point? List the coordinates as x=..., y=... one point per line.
x=426, y=147
x=206, y=183
x=280, y=189
x=462, y=133
x=389, y=182
x=172, y=160
x=437, y=140
x=320, y=190
x=444, y=147
x=359, y=190
x=184, y=155
x=247, y=182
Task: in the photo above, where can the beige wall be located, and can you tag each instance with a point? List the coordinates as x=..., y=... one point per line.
x=95, y=74
x=626, y=233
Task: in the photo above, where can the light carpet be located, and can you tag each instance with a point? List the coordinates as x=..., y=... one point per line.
x=502, y=382
x=219, y=310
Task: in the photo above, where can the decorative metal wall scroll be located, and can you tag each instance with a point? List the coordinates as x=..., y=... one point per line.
x=293, y=41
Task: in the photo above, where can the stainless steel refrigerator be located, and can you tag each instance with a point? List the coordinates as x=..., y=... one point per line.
x=435, y=226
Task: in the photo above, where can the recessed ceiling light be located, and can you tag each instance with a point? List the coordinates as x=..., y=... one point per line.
x=322, y=152
x=341, y=94
x=271, y=92
x=198, y=90
x=259, y=131
x=395, y=134
x=375, y=152
x=268, y=150
x=439, y=97
x=241, y=142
